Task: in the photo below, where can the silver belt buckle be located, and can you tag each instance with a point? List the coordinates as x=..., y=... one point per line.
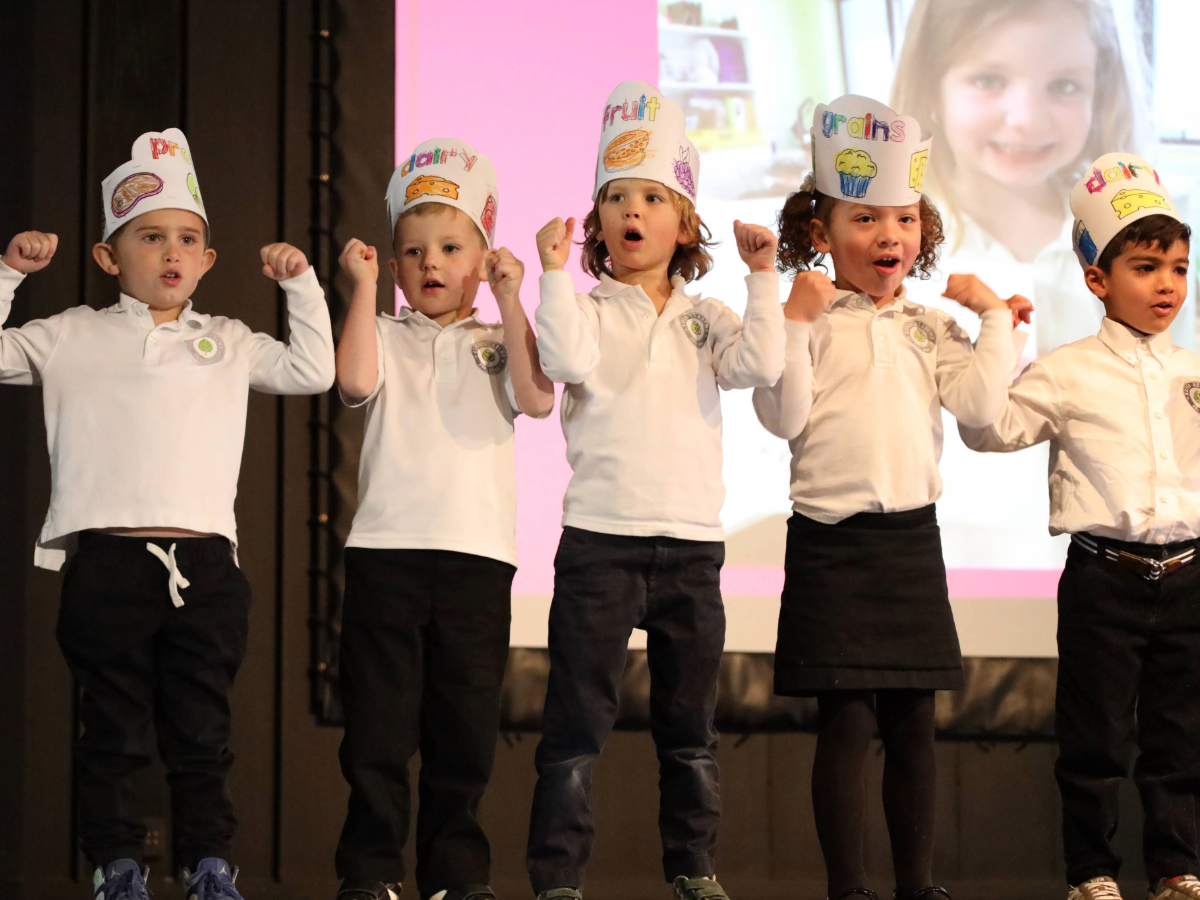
x=1157, y=570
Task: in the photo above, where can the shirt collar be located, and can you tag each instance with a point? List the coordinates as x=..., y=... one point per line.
x=187, y=316
x=1124, y=341
x=416, y=317
x=610, y=287
x=862, y=301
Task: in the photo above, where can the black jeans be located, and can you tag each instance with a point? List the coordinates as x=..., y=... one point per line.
x=1128, y=678
x=138, y=659
x=605, y=586
x=423, y=650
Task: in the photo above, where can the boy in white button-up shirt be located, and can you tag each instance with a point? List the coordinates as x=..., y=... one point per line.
x=1121, y=411
x=865, y=623
x=642, y=544
x=432, y=552
x=145, y=406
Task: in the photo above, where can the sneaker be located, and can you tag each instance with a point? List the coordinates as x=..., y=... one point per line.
x=212, y=880
x=469, y=892
x=1102, y=888
x=1183, y=887
x=563, y=893
x=361, y=889
x=120, y=880
x=930, y=893
x=703, y=888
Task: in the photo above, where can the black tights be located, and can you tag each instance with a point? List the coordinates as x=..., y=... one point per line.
x=848, y=720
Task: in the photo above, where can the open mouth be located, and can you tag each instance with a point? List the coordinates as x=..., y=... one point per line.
x=171, y=278
x=1020, y=153
x=887, y=265
x=632, y=239
x=431, y=284
x=1163, y=308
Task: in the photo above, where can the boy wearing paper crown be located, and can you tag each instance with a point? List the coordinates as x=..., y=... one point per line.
x=1121, y=411
x=865, y=622
x=642, y=544
x=145, y=407
x=432, y=552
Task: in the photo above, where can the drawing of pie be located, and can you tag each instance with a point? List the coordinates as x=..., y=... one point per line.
x=626, y=150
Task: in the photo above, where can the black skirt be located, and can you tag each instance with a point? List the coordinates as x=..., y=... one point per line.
x=865, y=606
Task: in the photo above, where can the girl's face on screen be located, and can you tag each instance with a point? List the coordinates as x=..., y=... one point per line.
x=1016, y=105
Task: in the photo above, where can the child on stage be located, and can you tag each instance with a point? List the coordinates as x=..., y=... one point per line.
x=432, y=552
x=145, y=417
x=865, y=623
x=642, y=544
x=1121, y=411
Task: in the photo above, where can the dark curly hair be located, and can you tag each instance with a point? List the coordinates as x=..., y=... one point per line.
x=691, y=260
x=797, y=253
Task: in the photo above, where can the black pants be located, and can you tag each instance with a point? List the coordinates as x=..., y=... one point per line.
x=138, y=659
x=423, y=650
x=604, y=587
x=1128, y=678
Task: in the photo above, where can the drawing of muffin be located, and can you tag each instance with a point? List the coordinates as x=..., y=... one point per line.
x=626, y=150
x=855, y=168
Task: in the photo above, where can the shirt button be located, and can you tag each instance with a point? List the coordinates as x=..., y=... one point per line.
x=1159, y=414
x=1164, y=498
x=1164, y=454
x=139, y=312
x=1153, y=375
x=644, y=316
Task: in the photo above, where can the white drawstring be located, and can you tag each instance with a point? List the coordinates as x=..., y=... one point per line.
x=175, y=581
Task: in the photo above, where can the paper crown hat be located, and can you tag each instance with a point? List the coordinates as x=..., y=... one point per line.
x=159, y=175
x=449, y=171
x=643, y=136
x=864, y=151
x=1120, y=188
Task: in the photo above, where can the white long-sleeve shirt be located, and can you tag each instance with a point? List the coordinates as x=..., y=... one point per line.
x=1121, y=411
x=145, y=424
x=861, y=395
x=640, y=410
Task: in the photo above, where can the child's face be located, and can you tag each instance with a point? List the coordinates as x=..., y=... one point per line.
x=873, y=247
x=438, y=262
x=640, y=225
x=1016, y=106
x=1146, y=288
x=159, y=257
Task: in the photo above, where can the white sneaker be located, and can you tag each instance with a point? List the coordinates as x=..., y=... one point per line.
x=1102, y=888
x=1184, y=887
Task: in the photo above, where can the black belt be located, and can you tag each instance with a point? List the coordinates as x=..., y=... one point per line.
x=1147, y=567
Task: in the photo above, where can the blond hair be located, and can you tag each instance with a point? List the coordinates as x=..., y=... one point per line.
x=939, y=29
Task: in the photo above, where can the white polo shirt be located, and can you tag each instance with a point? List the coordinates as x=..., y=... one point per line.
x=145, y=424
x=1121, y=411
x=437, y=469
x=861, y=396
x=640, y=410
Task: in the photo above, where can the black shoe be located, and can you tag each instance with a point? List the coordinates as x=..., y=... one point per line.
x=933, y=892
x=361, y=889
x=470, y=892
x=856, y=892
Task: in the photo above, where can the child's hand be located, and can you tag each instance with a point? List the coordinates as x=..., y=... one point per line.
x=282, y=261
x=30, y=251
x=756, y=246
x=973, y=294
x=504, y=274
x=554, y=243
x=812, y=293
x=360, y=262
x=1022, y=309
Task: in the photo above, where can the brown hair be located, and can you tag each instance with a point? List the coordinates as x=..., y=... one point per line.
x=939, y=30
x=429, y=209
x=796, y=250
x=690, y=260
x=1150, y=231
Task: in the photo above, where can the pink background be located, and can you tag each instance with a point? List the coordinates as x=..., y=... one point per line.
x=525, y=83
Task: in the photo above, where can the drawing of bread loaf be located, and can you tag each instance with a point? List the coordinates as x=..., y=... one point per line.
x=132, y=189
x=626, y=150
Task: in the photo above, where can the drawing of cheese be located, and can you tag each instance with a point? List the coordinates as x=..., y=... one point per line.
x=626, y=150
x=916, y=169
x=1129, y=201
x=432, y=186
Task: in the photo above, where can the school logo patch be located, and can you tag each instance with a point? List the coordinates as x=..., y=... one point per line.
x=491, y=356
x=921, y=334
x=695, y=326
x=1191, y=390
x=207, y=350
